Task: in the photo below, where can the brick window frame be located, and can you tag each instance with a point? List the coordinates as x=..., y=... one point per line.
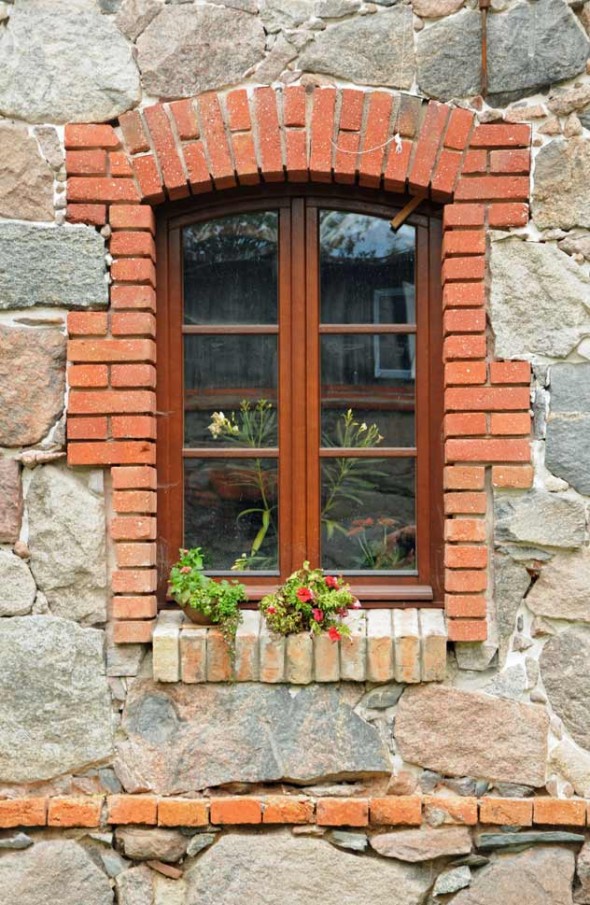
x=203, y=145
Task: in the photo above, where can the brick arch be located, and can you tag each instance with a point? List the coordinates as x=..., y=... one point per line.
x=397, y=142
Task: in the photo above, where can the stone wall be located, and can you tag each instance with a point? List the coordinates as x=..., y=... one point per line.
x=84, y=728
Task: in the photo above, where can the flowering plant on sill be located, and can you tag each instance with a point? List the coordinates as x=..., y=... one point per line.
x=203, y=599
x=309, y=601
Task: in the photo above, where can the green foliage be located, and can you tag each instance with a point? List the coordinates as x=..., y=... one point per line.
x=218, y=600
x=309, y=601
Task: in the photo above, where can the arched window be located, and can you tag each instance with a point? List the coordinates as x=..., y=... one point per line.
x=300, y=354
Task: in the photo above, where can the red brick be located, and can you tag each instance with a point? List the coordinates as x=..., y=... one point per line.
x=82, y=135
x=465, y=372
x=128, y=296
x=396, y=168
x=139, y=632
x=148, y=176
x=509, y=425
x=132, y=243
x=457, y=809
x=467, y=346
x=134, y=270
x=510, y=161
x=238, y=110
x=458, y=556
x=495, y=450
x=472, y=424
x=396, y=810
x=134, y=581
x=133, y=376
x=510, y=372
x=167, y=152
x=101, y=188
x=475, y=162
x=133, y=323
x=506, y=811
x=287, y=809
x=183, y=812
x=87, y=323
x=197, y=167
x=445, y=174
x=93, y=214
x=465, y=529
x=132, y=216
x=351, y=113
x=464, y=320
x=119, y=164
x=376, y=132
x=559, y=812
x=503, y=215
x=104, y=402
x=66, y=812
x=465, y=503
x=322, y=132
x=134, y=477
x=463, y=295
x=458, y=129
x=88, y=375
x=134, y=134
x=141, y=501
x=463, y=268
x=80, y=163
x=465, y=606
x=113, y=453
x=486, y=399
x=126, y=607
x=296, y=152
x=133, y=527
x=245, y=158
x=464, y=477
x=455, y=215
x=294, y=104
x=135, y=427
x=467, y=629
x=345, y=165
x=185, y=118
x=409, y=114
x=135, y=555
x=496, y=135
x=342, y=812
x=23, y=812
x=132, y=809
x=428, y=145
x=493, y=188
x=94, y=428
x=236, y=810
x=464, y=242
x=514, y=476
x=214, y=137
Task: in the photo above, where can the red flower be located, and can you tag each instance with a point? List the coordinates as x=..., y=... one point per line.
x=185, y=570
x=271, y=610
x=317, y=614
x=334, y=634
x=304, y=595
x=342, y=611
x=332, y=582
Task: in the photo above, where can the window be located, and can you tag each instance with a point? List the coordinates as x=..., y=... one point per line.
x=299, y=391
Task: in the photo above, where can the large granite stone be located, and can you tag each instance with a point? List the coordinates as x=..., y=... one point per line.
x=17, y=586
x=26, y=180
x=59, y=870
x=146, y=843
x=11, y=501
x=570, y=387
x=539, y=301
x=67, y=542
x=529, y=47
x=375, y=50
x=187, y=737
x=511, y=581
x=583, y=872
x=564, y=670
x=424, y=844
x=539, y=518
x=562, y=590
x=561, y=196
x=291, y=870
x=134, y=16
x=435, y=9
x=573, y=764
x=55, y=713
x=279, y=14
x=541, y=876
x=135, y=886
x=32, y=383
x=74, y=66
x=463, y=733
x=567, y=451
x=186, y=50
x=44, y=265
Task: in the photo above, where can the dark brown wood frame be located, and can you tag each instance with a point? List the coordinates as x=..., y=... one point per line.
x=298, y=316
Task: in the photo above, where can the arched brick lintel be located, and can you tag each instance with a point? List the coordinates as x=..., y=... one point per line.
x=377, y=139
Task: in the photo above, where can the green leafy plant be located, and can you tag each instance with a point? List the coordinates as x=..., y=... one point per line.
x=309, y=601
x=217, y=601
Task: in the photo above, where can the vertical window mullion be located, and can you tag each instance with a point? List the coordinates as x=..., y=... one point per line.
x=423, y=354
x=299, y=388
x=313, y=386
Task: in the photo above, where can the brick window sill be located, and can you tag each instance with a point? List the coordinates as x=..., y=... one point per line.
x=406, y=645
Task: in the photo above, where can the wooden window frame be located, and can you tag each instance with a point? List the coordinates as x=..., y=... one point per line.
x=298, y=316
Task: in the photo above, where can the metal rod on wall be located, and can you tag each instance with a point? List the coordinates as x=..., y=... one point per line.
x=484, y=6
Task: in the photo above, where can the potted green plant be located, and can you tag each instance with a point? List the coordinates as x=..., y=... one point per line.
x=204, y=600
x=309, y=601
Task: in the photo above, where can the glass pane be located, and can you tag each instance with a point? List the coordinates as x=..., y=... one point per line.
x=230, y=270
x=369, y=514
x=374, y=378
x=366, y=270
x=231, y=510
x=230, y=390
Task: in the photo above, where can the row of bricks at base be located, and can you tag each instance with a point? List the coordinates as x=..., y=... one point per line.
x=392, y=810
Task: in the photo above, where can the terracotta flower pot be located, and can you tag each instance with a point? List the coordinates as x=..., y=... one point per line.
x=196, y=616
